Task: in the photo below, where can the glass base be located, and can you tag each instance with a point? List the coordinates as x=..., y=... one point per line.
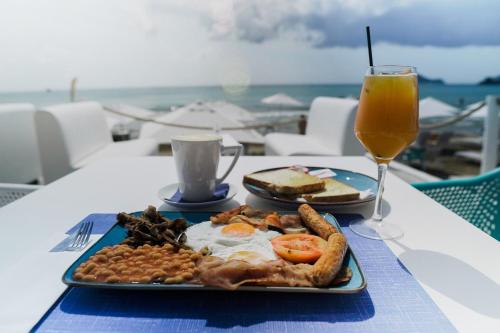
x=376, y=229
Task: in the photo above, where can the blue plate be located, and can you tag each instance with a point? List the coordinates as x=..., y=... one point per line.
x=118, y=233
x=365, y=184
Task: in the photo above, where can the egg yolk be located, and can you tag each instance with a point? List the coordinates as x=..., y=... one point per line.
x=238, y=230
x=250, y=257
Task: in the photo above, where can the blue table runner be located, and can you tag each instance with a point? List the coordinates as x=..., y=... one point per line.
x=393, y=302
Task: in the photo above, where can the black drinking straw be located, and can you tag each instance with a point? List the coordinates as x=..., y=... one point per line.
x=369, y=42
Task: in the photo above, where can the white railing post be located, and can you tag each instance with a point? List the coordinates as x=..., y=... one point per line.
x=489, y=156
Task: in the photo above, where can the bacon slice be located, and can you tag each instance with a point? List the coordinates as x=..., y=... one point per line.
x=224, y=217
x=231, y=274
x=291, y=221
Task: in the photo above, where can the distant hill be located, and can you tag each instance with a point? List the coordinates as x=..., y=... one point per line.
x=426, y=80
x=490, y=80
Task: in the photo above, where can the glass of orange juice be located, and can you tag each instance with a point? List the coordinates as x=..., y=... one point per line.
x=386, y=123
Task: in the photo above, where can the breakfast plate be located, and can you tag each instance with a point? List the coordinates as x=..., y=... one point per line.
x=117, y=234
x=366, y=185
x=165, y=193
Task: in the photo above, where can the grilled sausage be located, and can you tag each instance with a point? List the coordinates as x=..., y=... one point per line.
x=316, y=222
x=330, y=262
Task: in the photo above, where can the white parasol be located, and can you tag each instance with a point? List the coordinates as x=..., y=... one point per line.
x=282, y=100
x=431, y=107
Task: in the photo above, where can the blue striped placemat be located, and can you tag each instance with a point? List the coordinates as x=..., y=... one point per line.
x=393, y=302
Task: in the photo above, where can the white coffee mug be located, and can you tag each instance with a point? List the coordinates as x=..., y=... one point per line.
x=196, y=159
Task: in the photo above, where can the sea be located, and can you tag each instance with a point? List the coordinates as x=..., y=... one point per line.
x=164, y=98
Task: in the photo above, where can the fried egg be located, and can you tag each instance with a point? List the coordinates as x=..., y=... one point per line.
x=239, y=241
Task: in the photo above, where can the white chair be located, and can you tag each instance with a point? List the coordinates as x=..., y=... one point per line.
x=19, y=159
x=71, y=136
x=329, y=131
x=12, y=192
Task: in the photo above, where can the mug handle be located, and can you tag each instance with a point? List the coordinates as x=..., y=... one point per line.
x=237, y=149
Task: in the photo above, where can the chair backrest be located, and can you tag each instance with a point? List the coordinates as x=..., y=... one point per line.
x=68, y=133
x=331, y=122
x=476, y=199
x=422, y=138
x=20, y=161
x=11, y=192
x=444, y=139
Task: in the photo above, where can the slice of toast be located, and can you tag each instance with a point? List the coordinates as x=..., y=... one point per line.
x=285, y=181
x=334, y=191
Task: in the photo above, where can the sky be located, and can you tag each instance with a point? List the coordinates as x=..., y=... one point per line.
x=133, y=43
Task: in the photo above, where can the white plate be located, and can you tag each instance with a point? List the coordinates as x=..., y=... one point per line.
x=165, y=193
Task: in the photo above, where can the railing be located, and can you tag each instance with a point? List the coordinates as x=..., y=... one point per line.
x=232, y=128
x=454, y=120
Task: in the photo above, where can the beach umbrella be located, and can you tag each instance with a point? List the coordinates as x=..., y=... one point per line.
x=115, y=120
x=481, y=113
x=215, y=115
x=430, y=107
x=282, y=100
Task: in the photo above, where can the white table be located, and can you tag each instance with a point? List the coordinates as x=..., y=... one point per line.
x=457, y=264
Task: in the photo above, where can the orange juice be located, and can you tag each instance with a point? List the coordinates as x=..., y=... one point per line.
x=387, y=118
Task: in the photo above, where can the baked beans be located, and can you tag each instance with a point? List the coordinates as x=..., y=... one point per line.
x=144, y=264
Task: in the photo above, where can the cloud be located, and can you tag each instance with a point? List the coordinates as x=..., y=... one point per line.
x=328, y=23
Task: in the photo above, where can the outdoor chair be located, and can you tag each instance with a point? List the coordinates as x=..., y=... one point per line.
x=71, y=136
x=20, y=162
x=414, y=154
x=329, y=131
x=476, y=199
x=12, y=192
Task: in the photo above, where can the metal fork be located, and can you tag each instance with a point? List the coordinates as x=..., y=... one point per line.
x=81, y=237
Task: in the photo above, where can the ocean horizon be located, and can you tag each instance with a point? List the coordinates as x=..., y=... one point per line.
x=163, y=98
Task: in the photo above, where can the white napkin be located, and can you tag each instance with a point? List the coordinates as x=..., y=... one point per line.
x=323, y=173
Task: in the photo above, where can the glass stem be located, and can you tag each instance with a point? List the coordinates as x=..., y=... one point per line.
x=377, y=213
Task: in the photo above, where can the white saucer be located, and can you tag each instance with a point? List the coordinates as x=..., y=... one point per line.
x=165, y=193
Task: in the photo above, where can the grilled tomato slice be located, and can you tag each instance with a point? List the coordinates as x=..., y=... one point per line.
x=299, y=248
